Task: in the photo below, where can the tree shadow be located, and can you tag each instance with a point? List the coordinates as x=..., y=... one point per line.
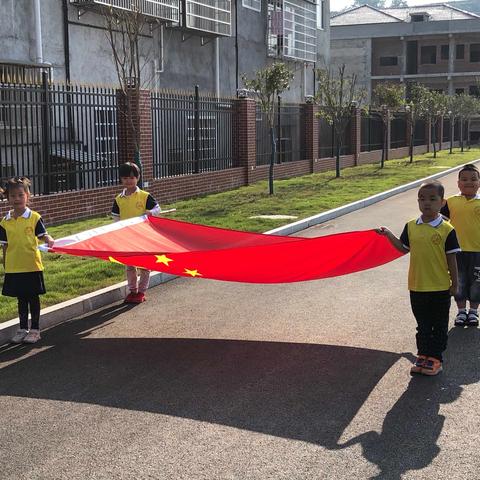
x=299, y=391
x=408, y=440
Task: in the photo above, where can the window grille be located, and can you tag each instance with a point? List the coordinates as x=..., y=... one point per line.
x=211, y=16
x=163, y=9
x=292, y=29
x=253, y=4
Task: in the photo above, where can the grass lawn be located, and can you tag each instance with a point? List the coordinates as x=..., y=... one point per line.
x=67, y=277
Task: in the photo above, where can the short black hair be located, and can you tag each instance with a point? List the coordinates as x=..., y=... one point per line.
x=469, y=167
x=14, y=183
x=434, y=184
x=128, y=169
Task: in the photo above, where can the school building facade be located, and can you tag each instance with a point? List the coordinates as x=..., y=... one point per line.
x=209, y=43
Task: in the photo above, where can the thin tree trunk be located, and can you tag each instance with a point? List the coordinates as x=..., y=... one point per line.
x=272, y=161
x=337, y=159
x=434, y=141
x=461, y=134
x=412, y=131
x=452, y=133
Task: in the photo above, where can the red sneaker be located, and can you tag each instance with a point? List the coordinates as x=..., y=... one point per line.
x=130, y=298
x=138, y=298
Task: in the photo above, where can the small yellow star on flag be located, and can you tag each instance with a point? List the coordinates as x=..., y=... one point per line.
x=114, y=261
x=193, y=273
x=163, y=259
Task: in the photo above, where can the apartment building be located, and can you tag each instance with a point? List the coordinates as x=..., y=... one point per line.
x=209, y=43
x=437, y=45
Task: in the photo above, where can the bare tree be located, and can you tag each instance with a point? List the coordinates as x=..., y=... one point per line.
x=336, y=97
x=124, y=29
x=267, y=85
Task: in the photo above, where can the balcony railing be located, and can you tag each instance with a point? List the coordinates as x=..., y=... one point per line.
x=168, y=10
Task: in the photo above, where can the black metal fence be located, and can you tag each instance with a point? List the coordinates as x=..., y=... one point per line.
x=327, y=144
x=61, y=137
x=419, y=133
x=398, y=130
x=372, y=127
x=191, y=133
x=289, y=134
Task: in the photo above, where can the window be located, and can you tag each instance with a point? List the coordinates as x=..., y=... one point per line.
x=460, y=54
x=459, y=91
x=253, y=4
x=475, y=52
x=212, y=16
x=207, y=139
x=292, y=29
x=444, y=52
x=428, y=55
x=388, y=61
x=474, y=91
x=320, y=14
x=105, y=145
x=419, y=17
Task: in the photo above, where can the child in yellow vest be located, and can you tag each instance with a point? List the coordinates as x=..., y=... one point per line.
x=432, y=275
x=133, y=202
x=463, y=210
x=20, y=230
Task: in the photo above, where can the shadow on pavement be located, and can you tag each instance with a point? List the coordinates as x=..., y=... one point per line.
x=300, y=391
x=408, y=440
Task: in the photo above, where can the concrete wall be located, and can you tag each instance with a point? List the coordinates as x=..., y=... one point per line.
x=186, y=61
x=356, y=54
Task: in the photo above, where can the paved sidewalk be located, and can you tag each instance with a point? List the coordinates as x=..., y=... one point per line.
x=212, y=380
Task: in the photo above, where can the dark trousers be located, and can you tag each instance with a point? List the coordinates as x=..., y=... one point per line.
x=431, y=310
x=23, y=307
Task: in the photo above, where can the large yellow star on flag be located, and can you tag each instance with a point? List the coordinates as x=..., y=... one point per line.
x=193, y=273
x=163, y=259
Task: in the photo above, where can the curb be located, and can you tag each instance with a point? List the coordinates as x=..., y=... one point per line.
x=76, y=307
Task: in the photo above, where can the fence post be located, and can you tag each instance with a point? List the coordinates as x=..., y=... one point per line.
x=356, y=134
x=46, y=133
x=196, y=132
x=389, y=135
x=311, y=133
x=279, y=129
x=246, y=137
x=141, y=113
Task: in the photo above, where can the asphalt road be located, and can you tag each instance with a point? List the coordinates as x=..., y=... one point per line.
x=213, y=380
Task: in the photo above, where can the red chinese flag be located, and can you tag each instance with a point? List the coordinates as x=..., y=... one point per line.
x=191, y=250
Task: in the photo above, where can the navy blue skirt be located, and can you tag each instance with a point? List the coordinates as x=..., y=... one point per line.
x=23, y=285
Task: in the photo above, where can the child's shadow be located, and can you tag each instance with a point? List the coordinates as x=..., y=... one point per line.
x=408, y=440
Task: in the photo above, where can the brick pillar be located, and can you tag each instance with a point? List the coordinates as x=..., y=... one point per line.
x=311, y=133
x=245, y=138
x=356, y=134
x=141, y=114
